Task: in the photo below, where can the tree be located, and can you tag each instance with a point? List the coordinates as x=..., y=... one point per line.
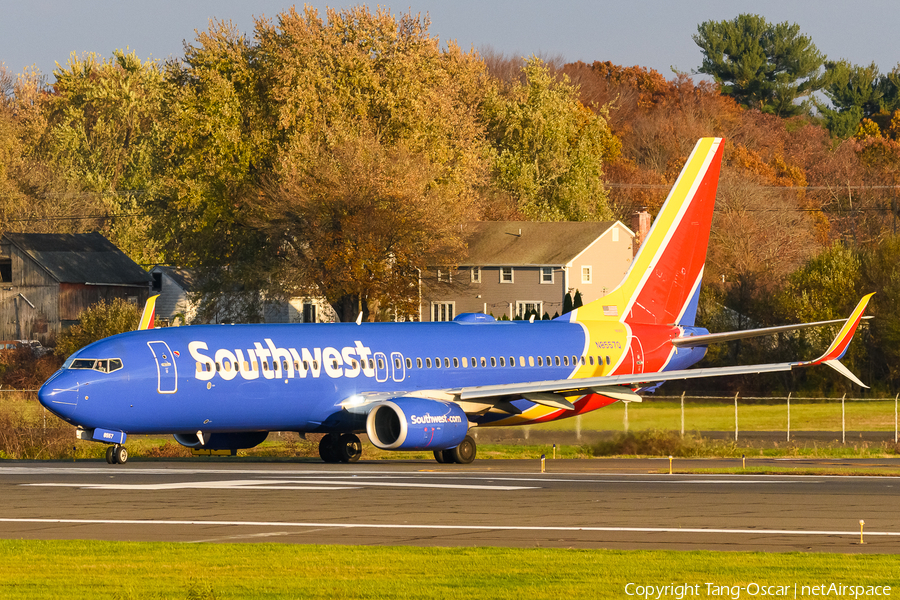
x=252, y=119
x=855, y=92
x=764, y=66
x=98, y=321
x=548, y=149
x=104, y=133
x=34, y=187
x=358, y=224
x=577, y=302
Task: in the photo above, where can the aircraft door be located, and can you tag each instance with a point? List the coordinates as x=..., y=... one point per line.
x=167, y=373
x=381, y=367
x=397, y=366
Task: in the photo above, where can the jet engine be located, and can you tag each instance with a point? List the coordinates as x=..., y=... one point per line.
x=222, y=441
x=416, y=424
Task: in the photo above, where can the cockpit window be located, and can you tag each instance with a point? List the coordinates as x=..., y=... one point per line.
x=104, y=365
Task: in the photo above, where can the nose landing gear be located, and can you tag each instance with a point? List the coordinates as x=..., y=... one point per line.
x=116, y=455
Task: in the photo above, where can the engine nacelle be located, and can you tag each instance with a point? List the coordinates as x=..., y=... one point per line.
x=416, y=424
x=223, y=441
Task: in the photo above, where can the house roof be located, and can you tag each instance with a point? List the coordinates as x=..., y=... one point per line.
x=80, y=258
x=183, y=277
x=530, y=243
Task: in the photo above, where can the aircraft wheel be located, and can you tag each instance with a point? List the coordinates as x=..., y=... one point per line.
x=439, y=456
x=465, y=452
x=120, y=454
x=349, y=448
x=110, y=457
x=327, y=449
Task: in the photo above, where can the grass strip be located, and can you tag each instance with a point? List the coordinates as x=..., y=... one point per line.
x=131, y=570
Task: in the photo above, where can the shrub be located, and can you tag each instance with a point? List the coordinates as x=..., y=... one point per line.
x=98, y=321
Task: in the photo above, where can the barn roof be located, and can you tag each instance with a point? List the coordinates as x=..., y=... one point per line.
x=80, y=258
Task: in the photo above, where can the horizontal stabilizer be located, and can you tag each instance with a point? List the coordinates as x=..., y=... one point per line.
x=728, y=336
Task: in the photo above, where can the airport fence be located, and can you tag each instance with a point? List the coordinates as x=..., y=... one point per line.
x=787, y=418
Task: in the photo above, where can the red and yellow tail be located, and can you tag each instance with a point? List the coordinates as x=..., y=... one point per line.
x=663, y=284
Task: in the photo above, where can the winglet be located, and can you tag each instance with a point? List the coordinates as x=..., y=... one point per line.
x=838, y=347
x=149, y=314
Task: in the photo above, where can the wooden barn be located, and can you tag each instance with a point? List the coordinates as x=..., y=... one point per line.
x=48, y=279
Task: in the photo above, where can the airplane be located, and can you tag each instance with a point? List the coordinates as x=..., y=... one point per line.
x=418, y=386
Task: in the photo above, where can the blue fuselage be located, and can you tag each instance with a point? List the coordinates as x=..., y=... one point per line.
x=296, y=377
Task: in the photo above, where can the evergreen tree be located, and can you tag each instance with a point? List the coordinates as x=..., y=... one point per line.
x=761, y=65
x=577, y=302
x=567, y=303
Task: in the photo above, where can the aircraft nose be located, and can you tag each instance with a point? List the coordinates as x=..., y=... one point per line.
x=58, y=397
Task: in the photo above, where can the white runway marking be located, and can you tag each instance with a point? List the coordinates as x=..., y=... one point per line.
x=680, y=530
x=277, y=484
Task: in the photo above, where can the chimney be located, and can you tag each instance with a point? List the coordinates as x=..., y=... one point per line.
x=640, y=224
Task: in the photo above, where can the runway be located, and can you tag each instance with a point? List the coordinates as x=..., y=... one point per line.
x=576, y=504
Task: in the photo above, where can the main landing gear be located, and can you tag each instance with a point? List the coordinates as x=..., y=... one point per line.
x=462, y=454
x=345, y=448
x=116, y=455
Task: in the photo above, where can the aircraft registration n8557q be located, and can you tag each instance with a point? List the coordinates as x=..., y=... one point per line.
x=417, y=386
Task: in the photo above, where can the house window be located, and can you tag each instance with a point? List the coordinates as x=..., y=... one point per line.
x=586, y=275
x=442, y=311
x=546, y=274
x=476, y=274
x=506, y=275
x=524, y=309
x=157, y=281
x=440, y=275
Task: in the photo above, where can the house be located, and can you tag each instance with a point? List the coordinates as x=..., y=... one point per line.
x=514, y=267
x=48, y=279
x=173, y=284
x=177, y=287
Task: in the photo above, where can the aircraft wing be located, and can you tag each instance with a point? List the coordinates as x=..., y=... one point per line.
x=554, y=391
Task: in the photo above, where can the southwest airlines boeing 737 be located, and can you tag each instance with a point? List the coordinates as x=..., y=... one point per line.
x=417, y=386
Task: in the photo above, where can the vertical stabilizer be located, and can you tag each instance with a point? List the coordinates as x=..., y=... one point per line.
x=663, y=284
x=149, y=315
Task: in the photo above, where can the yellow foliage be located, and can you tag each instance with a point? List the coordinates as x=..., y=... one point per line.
x=868, y=129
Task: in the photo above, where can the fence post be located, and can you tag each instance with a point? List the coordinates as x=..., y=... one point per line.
x=682, y=415
x=578, y=428
x=626, y=416
x=789, y=417
x=895, y=417
x=735, y=417
x=843, y=421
